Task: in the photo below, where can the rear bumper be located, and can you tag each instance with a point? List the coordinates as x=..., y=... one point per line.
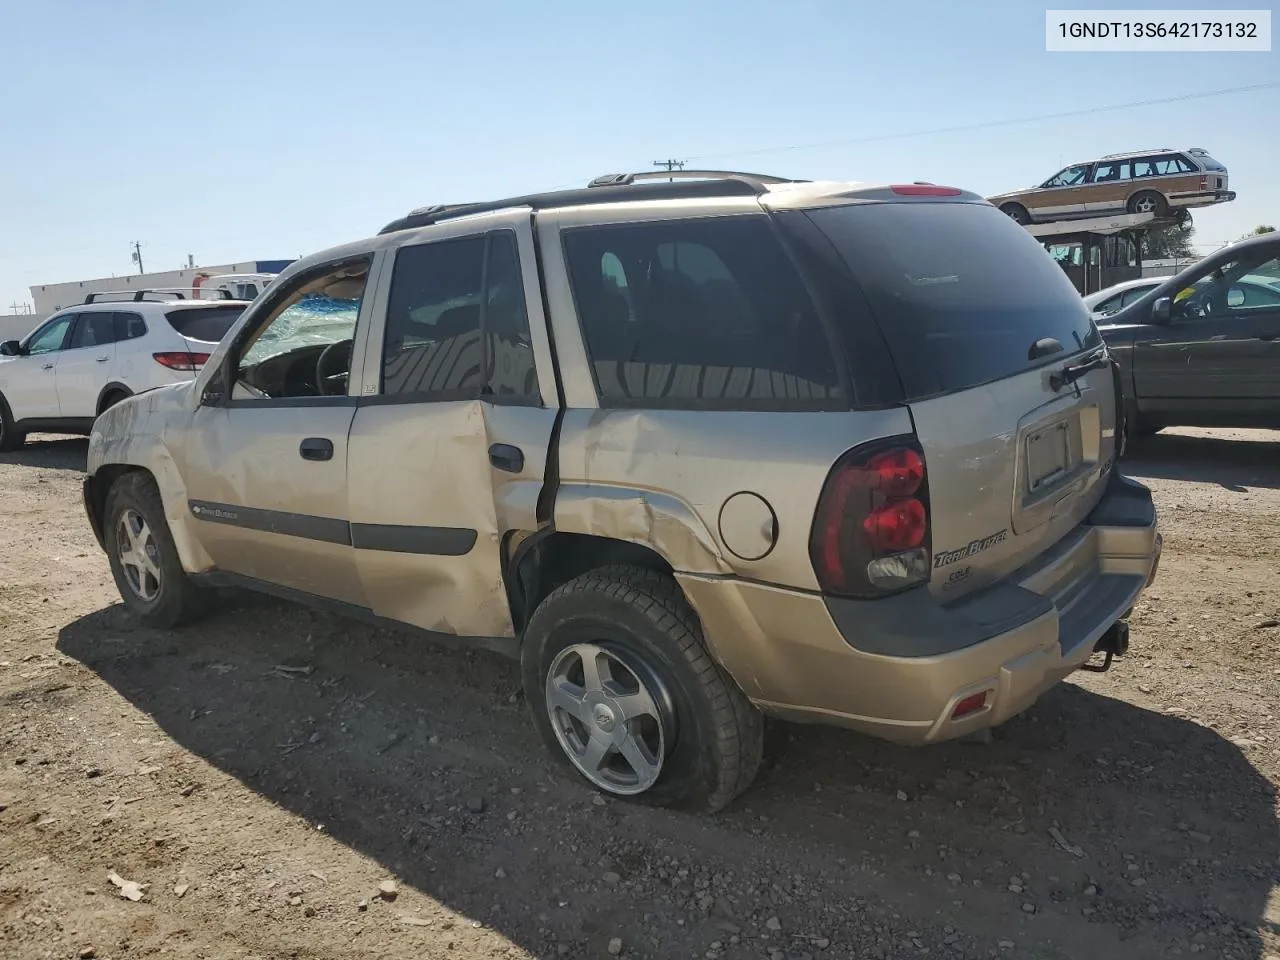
x=897, y=667
x=1201, y=198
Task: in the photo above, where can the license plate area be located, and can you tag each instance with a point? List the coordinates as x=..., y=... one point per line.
x=1049, y=456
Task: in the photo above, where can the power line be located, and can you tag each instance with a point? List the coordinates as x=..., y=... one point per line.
x=986, y=125
x=1008, y=122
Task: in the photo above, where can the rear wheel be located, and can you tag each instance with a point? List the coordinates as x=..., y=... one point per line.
x=110, y=400
x=1148, y=201
x=11, y=438
x=144, y=561
x=1016, y=212
x=626, y=696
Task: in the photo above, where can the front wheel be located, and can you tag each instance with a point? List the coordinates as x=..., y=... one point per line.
x=625, y=695
x=144, y=561
x=1017, y=213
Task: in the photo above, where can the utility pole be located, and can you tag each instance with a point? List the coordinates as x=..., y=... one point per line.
x=137, y=254
x=670, y=165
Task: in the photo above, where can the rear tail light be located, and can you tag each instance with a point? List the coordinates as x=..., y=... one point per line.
x=181, y=360
x=1204, y=182
x=871, y=531
x=924, y=190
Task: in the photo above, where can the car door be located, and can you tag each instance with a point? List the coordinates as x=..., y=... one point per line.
x=1063, y=195
x=1216, y=357
x=449, y=444
x=1108, y=187
x=265, y=460
x=29, y=380
x=86, y=365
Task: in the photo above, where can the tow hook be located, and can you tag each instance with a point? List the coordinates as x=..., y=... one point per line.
x=1115, y=642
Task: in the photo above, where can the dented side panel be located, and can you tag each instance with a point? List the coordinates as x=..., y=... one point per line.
x=425, y=466
x=713, y=492
x=140, y=432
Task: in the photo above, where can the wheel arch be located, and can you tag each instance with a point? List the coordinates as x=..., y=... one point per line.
x=551, y=558
x=146, y=454
x=112, y=389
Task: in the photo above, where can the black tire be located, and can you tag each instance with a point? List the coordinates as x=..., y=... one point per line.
x=1017, y=213
x=11, y=438
x=177, y=600
x=717, y=740
x=1152, y=198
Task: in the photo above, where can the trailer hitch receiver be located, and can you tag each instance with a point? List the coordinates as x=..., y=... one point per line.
x=1113, y=643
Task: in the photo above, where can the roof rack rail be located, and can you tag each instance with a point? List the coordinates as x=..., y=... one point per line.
x=135, y=296
x=626, y=179
x=1130, y=153
x=139, y=296
x=612, y=188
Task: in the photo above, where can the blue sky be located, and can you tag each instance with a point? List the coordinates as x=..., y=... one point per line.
x=238, y=131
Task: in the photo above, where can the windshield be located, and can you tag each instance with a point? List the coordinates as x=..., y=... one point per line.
x=960, y=291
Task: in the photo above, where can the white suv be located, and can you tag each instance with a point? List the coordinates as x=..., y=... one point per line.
x=84, y=359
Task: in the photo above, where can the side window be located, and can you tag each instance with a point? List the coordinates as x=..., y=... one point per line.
x=51, y=337
x=303, y=349
x=1135, y=294
x=432, y=345
x=1106, y=173
x=1070, y=177
x=1234, y=289
x=509, y=360
x=94, y=329
x=129, y=326
x=1144, y=167
x=1109, y=305
x=721, y=318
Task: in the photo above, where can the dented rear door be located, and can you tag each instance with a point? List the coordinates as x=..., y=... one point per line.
x=449, y=444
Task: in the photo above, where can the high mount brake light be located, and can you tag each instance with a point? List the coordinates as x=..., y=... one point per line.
x=924, y=190
x=871, y=530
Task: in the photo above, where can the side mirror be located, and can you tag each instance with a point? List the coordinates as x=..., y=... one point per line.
x=11, y=348
x=1162, y=310
x=1235, y=297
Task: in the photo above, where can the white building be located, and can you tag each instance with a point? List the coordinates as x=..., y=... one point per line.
x=49, y=298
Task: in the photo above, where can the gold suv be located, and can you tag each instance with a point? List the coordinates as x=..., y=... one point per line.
x=1161, y=182
x=692, y=452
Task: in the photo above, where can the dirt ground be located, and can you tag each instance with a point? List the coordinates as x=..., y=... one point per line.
x=261, y=774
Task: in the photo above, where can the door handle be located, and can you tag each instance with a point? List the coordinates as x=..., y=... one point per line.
x=46, y=366
x=103, y=359
x=506, y=457
x=316, y=448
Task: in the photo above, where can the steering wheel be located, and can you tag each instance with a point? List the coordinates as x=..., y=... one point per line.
x=333, y=384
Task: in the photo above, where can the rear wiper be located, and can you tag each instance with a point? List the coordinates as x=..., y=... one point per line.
x=1074, y=371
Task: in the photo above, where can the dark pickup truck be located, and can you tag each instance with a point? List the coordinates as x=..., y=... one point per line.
x=1203, y=348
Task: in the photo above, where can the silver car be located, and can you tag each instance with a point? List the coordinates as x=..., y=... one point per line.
x=693, y=452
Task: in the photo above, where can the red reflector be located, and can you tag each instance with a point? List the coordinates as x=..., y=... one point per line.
x=899, y=473
x=898, y=525
x=181, y=360
x=970, y=704
x=924, y=190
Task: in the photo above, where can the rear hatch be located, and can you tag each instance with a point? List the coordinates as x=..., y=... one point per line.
x=980, y=324
x=203, y=327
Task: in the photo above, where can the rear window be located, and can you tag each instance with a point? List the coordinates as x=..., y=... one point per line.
x=960, y=291
x=208, y=324
x=699, y=314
